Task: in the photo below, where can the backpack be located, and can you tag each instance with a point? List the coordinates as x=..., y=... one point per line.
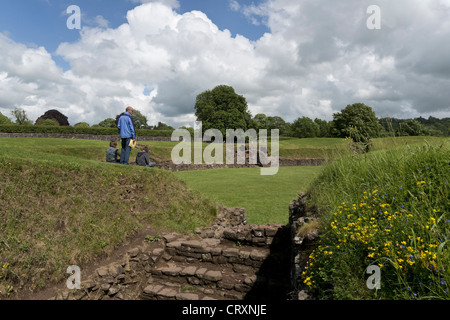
x=124, y=114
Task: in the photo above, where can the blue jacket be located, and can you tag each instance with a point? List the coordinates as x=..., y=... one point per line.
x=126, y=126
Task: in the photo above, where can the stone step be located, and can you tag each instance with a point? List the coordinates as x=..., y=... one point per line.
x=158, y=289
x=216, y=252
x=206, y=275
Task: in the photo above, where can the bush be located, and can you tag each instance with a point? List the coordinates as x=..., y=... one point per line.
x=82, y=125
x=80, y=130
x=47, y=122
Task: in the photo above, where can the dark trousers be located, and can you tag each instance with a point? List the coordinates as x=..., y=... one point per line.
x=126, y=150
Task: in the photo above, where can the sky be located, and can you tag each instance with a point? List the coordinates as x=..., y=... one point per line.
x=288, y=58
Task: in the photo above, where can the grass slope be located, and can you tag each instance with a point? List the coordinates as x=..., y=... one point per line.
x=57, y=210
x=388, y=209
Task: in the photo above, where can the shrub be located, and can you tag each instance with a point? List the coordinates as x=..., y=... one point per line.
x=47, y=122
x=82, y=125
x=80, y=130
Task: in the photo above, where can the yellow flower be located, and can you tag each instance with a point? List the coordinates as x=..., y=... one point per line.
x=371, y=255
x=420, y=182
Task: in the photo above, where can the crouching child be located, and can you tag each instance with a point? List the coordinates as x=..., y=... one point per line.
x=143, y=158
x=112, y=153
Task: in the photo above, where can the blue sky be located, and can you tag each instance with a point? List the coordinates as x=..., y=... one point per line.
x=43, y=22
x=288, y=58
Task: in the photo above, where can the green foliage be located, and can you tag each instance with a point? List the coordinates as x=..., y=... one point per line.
x=304, y=128
x=390, y=209
x=21, y=117
x=80, y=130
x=416, y=127
x=140, y=121
x=357, y=121
x=261, y=121
x=412, y=128
x=324, y=129
x=82, y=125
x=108, y=123
x=163, y=126
x=4, y=119
x=222, y=108
x=47, y=122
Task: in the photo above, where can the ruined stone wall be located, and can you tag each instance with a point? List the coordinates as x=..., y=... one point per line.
x=77, y=136
x=302, y=243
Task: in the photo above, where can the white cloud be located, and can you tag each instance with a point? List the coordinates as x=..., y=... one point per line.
x=317, y=59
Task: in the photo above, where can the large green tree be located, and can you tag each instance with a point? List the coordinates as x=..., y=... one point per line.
x=140, y=121
x=358, y=122
x=108, y=123
x=261, y=121
x=222, y=108
x=304, y=127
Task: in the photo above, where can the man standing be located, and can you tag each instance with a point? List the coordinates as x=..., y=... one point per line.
x=127, y=133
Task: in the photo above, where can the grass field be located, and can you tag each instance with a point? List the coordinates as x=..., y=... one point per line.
x=266, y=198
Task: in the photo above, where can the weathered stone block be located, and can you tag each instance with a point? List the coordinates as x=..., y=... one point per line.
x=171, y=271
x=200, y=272
x=188, y=271
x=167, y=293
x=186, y=296
x=213, y=276
x=259, y=254
x=231, y=252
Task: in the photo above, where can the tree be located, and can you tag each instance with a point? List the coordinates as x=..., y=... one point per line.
x=53, y=114
x=108, y=123
x=323, y=128
x=260, y=121
x=140, y=121
x=82, y=125
x=358, y=122
x=21, y=117
x=222, y=108
x=163, y=126
x=277, y=122
x=4, y=119
x=412, y=128
x=304, y=128
x=47, y=122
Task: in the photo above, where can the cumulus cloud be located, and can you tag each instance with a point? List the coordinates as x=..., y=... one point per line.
x=316, y=59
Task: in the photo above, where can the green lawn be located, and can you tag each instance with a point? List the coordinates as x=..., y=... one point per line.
x=266, y=198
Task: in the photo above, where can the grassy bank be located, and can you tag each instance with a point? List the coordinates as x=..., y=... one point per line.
x=388, y=209
x=57, y=210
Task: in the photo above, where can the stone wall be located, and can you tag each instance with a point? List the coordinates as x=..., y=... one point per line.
x=77, y=136
x=302, y=243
